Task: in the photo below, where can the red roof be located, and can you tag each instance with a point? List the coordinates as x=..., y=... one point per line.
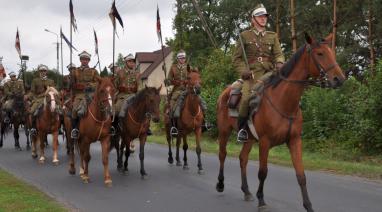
x=155, y=58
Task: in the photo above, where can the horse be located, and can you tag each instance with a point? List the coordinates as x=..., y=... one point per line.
x=143, y=108
x=278, y=119
x=47, y=121
x=17, y=119
x=98, y=116
x=190, y=120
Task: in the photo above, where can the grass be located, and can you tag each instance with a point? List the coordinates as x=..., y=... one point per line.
x=16, y=195
x=371, y=169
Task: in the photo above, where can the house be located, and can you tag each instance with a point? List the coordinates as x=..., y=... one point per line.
x=151, y=63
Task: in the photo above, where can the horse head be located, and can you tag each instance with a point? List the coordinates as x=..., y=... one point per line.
x=104, y=93
x=193, y=81
x=152, y=102
x=323, y=65
x=51, y=96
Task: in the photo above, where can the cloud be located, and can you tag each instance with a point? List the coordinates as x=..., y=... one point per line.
x=32, y=17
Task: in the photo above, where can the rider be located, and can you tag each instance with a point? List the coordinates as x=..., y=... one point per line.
x=83, y=85
x=262, y=56
x=178, y=77
x=12, y=88
x=38, y=88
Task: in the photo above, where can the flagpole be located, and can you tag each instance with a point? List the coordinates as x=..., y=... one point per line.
x=113, y=47
x=62, y=61
x=71, y=28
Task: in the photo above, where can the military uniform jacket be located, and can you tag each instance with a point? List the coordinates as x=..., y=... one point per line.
x=127, y=81
x=263, y=50
x=178, y=75
x=12, y=88
x=40, y=85
x=83, y=78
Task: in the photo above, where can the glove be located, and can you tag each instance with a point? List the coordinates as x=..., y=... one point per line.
x=246, y=75
x=279, y=66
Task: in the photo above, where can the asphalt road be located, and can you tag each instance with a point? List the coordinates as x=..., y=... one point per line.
x=170, y=188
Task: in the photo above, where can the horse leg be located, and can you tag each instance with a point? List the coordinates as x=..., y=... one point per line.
x=198, y=134
x=2, y=133
x=86, y=159
x=142, y=142
x=34, y=141
x=245, y=150
x=16, y=136
x=127, y=155
x=105, y=161
x=42, y=137
x=178, y=163
x=27, y=136
x=295, y=148
x=263, y=169
x=82, y=157
x=72, y=168
x=185, y=148
x=169, y=138
x=55, y=147
x=117, y=149
x=223, y=140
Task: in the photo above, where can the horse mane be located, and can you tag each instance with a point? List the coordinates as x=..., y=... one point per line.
x=140, y=96
x=51, y=89
x=287, y=68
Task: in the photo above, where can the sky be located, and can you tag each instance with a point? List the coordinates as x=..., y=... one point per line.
x=32, y=17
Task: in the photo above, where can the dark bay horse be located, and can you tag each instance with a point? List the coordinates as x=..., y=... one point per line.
x=191, y=119
x=279, y=117
x=95, y=126
x=143, y=108
x=47, y=122
x=18, y=118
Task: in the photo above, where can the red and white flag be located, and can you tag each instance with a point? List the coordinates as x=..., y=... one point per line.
x=95, y=42
x=159, y=29
x=17, y=43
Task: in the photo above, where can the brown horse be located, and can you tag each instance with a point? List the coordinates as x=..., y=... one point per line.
x=279, y=117
x=98, y=116
x=47, y=122
x=190, y=120
x=143, y=108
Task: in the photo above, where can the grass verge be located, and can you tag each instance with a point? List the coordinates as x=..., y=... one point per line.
x=280, y=155
x=16, y=195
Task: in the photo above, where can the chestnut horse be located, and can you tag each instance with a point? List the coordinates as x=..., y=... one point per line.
x=191, y=119
x=143, y=108
x=47, y=122
x=279, y=117
x=94, y=126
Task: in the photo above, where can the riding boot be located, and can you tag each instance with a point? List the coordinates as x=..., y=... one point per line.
x=149, y=132
x=33, y=130
x=174, y=127
x=242, y=134
x=75, y=132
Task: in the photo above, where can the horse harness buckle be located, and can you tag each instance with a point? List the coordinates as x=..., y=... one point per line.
x=260, y=59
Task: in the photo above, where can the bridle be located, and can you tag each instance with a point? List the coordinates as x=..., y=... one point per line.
x=322, y=80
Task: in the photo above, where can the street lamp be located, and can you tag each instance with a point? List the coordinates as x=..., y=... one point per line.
x=47, y=30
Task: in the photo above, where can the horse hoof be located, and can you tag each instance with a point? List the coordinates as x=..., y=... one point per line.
x=248, y=197
x=72, y=171
x=41, y=160
x=178, y=163
x=108, y=183
x=144, y=177
x=85, y=179
x=263, y=208
x=170, y=160
x=125, y=172
x=220, y=187
x=56, y=162
x=34, y=155
x=18, y=148
x=185, y=167
x=201, y=172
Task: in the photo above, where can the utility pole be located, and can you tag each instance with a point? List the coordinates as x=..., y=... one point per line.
x=57, y=49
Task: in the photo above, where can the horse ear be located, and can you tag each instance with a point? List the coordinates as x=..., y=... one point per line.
x=308, y=38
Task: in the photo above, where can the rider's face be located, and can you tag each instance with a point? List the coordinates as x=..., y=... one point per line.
x=260, y=21
x=13, y=77
x=84, y=61
x=182, y=60
x=43, y=73
x=130, y=64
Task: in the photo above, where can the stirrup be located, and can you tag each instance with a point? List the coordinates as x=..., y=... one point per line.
x=174, y=131
x=112, y=131
x=7, y=120
x=74, y=133
x=242, y=136
x=33, y=131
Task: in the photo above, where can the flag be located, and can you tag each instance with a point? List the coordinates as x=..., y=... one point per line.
x=159, y=30
x=113, y=14
x=17, y=43
x=72, y=18
x=66, y=40
x=95, y=42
